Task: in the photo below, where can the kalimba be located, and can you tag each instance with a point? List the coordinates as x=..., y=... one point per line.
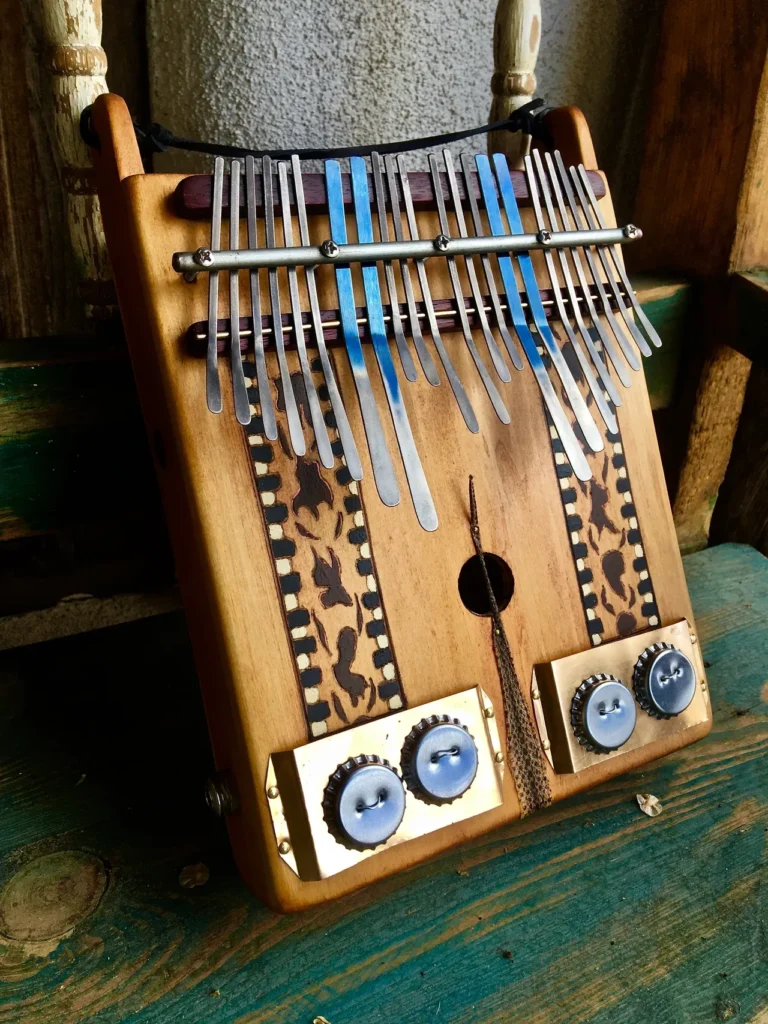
x=410, y=472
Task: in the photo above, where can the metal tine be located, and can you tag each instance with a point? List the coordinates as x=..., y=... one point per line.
x=239, y=392
x=291, y=409
x=348, y=445
x=485, y=260
x=629, y=353
x=496, y=400
x=266, y=404
x=613, y=353
x=597, y=359
x=409, y=367
x=414, y=472
x=650, y=330
x=597, y=391
x=571, y=446
x=315, y=412
x=579, y=406
x=453, y=378
x=477, y=295
x=212, y=382
x=640, y=341
x=427, y=363
x=383, y=470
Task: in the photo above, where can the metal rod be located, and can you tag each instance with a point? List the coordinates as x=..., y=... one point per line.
x=409, y=367
x=571, y=446
x=485, y=260
x=294, y=420
x=583, y=416
x=597, y=392
x=427, y=363
x=315, y=412
x=348, y=445
x=474, y=286
x=571, y=297
x=383, y=470
x=191, y=263
x=414, y=472
x=496, y=400
x=266, y=405
x=239, y=392
x=453, y=378
x=605, y=338
x=212, y=382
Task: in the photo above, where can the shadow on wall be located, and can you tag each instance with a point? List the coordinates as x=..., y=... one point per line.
x=295, y=73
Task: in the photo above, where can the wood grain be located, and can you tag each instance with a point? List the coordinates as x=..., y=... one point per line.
x=221, y=548
x=103, y=748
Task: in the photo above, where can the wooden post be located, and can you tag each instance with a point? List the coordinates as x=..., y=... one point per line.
x=516, y=36
x=703, y=206
x=78, y=65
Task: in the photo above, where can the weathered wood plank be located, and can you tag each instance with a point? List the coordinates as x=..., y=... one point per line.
x=588, y=913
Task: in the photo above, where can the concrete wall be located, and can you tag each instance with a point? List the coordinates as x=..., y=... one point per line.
x=297, y=73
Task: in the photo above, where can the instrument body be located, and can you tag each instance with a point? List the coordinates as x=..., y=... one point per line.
x=233, y=585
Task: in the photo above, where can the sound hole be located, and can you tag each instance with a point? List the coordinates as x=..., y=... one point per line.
x=473, y=590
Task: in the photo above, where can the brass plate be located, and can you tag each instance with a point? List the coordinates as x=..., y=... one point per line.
x=554, y=684
x=300, y=777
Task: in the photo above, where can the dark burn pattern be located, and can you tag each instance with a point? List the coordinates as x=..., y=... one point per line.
x=317, y=531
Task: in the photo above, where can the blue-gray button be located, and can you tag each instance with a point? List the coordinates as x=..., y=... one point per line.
x=367, y=801
x=603, y=714
x=665, y=681
x=439, y=760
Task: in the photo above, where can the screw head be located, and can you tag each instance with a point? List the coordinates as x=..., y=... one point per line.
x=535, y=694
x=203, y=256
x=489, y=712
x=633, y=232
x=441, y=243
x=273, y=792
x=546, y=744
x=498, y=757
x=544, y=236
x=284, y=847
x=329, y=249
x=220, y=795
x=694, y=638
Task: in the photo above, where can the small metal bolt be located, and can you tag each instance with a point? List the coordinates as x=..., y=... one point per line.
x=694, y=638
x=329, y=249
x=489, y=712
x=544, y=236
x=633, y=232
x=546, y=744
x=273, y=792
x=203, y=256
x=284, y=847
x=498, y=757
x=220, y=795
x=535, y=694
x=441, y=243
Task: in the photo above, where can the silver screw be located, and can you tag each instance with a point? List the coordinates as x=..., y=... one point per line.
x=489, y=712
x=329, y=249
x=631, y=231
x=498, y=757
x=284, y=847
x=220, y=795
x=273, y=793
x=203, y=256
x=441, y=243
x=544, y=236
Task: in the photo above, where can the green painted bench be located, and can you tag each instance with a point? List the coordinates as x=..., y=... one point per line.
x=590, y=912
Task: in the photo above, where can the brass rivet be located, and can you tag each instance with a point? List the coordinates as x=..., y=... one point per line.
x=694, y=638
x=273, y=792
x=489, y=712
x=535, y=694
x=546, y=744
x=284, y=847
x=498, y=757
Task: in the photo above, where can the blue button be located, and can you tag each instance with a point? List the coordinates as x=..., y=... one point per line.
x=603, y=713
x=440, y=761
x=370, y=804
x=670, y=682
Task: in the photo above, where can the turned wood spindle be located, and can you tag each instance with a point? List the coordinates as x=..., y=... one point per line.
x=78, y=67
x=516, y=35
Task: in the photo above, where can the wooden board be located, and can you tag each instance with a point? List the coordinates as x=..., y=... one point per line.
x=589, y=913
